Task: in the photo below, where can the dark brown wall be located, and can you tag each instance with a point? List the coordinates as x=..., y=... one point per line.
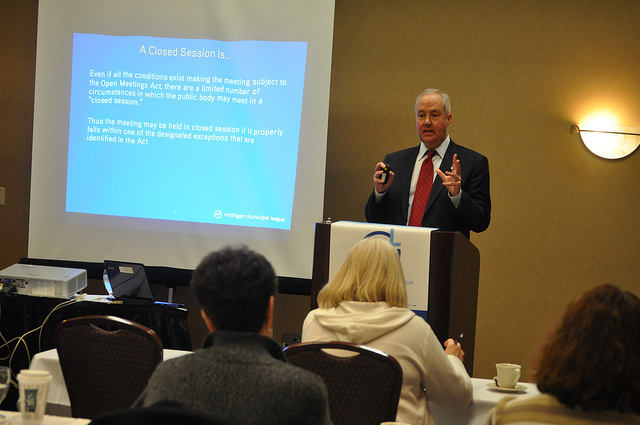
x=18, y=25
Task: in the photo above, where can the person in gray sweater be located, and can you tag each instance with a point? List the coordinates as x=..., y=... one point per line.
x=240, y=374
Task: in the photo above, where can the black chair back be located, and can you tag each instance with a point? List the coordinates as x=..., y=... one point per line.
x=106, y=362
x=160, y=413
x=364, y=384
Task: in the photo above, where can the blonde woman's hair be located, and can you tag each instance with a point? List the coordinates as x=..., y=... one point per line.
x=372, y=272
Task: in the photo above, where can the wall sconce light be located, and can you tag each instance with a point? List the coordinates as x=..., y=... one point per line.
x=608, y=144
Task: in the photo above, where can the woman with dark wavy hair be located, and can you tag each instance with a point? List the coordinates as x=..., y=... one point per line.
x=588, y=370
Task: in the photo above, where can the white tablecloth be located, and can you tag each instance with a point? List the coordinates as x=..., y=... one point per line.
x=484, y=399
x=14, y=418
x=48, y=360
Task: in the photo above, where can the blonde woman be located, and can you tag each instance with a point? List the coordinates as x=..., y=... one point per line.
x=366, y=303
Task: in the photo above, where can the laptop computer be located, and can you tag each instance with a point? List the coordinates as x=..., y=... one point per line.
x=128, y=281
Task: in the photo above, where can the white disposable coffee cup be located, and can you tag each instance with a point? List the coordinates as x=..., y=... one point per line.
x=33, y=389
x=508, y=375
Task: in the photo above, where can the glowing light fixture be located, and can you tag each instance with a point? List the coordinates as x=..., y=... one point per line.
x=603, y=137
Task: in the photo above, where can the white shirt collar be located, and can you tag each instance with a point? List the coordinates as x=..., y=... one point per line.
x=442, y=149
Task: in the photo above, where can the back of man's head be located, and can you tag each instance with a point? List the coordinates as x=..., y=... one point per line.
x=234, y=286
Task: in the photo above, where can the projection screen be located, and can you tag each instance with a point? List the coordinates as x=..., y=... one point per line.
x=164, y=130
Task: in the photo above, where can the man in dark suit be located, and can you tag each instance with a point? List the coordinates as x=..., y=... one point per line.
x=459, y=198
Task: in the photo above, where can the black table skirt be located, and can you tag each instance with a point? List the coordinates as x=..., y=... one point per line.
x=20, y=314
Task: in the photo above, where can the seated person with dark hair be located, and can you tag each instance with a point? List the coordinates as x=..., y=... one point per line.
x=240, y=374
x=588, y=370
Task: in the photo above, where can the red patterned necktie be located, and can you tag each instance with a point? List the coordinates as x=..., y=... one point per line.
x=423, y=188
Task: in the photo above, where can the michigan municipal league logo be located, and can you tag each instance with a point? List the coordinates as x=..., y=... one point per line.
x=389, y=235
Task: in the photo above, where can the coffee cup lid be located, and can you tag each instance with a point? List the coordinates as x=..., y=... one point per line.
x=31, y=373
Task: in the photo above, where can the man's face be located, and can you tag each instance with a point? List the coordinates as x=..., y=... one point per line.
x=431, y=120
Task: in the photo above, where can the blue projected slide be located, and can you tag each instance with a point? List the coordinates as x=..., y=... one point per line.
x=189, y=130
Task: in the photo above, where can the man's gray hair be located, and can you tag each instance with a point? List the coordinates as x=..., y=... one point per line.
x=445, y=99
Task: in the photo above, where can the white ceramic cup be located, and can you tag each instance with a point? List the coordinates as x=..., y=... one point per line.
x=33, y=389
x=508, y=375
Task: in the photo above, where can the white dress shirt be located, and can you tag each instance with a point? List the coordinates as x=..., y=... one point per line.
x=437, y=160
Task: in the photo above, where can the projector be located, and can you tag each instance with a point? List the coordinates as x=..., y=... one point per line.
x=44, y=281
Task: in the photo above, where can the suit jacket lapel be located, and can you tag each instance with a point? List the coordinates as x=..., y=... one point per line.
x=409, y=164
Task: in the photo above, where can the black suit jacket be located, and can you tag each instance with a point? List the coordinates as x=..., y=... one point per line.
x=473, y=212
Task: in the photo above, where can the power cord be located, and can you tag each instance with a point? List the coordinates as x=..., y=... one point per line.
x=21, y=339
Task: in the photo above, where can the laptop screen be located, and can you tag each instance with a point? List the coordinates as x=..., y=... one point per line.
x=128, y=281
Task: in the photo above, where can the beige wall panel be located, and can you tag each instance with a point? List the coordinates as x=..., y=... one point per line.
x=518, y=74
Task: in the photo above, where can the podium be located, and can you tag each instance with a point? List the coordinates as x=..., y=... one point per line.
x=454, y=269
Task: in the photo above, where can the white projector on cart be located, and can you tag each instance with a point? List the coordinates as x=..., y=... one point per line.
x=44, y=281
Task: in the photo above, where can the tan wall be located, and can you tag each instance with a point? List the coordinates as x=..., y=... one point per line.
x=518, y=73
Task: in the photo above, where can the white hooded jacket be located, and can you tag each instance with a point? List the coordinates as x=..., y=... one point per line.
x=428, y=373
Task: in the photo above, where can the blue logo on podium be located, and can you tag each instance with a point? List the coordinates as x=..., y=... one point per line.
x=388, y=235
